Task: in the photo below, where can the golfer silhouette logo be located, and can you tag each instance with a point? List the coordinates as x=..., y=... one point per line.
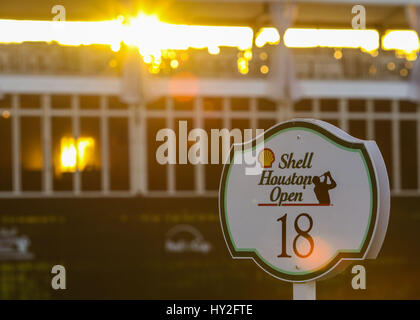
x=322, y=189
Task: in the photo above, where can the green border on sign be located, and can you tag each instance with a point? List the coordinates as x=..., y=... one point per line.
x=342, y=144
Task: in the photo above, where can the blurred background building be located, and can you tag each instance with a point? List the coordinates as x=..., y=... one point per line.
x=81, y=101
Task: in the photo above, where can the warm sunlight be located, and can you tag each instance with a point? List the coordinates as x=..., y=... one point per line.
x=154, y=37
x=72, y=157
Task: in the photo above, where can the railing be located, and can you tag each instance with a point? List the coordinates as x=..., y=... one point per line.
x=394, y=124
x=40, y=157
x=33, y=162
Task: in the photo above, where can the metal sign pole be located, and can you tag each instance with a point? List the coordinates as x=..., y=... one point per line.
x=304, y=290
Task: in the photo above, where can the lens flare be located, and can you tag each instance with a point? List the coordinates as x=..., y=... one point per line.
x=322, y=252
x=76, y=155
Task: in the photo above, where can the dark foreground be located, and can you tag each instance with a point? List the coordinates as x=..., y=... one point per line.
x=171, y=249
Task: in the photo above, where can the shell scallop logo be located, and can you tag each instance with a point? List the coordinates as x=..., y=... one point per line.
x=266, y=158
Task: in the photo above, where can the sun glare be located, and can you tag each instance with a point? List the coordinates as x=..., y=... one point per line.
x=267, y=36
x=404, y=42
x=155, y=38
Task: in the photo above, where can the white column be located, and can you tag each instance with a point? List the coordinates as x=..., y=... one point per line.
x=282, y=83
x=344, y=119
x=254, y=110
x=143, y=149
x=418, y=148
x=46, y=144
x=199, y=170
x=279, y=112
x=396, y=161
x=170, y=168
x=316, y=108
x=132, y=149
x=289, y=112
x=370, y=124
x=104, y=145
x=75, y=122
x=227, y=115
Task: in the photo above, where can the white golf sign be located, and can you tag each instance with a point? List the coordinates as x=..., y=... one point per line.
x=319, y=197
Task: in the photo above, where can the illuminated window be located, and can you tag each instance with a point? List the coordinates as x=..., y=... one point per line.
x=76, y=154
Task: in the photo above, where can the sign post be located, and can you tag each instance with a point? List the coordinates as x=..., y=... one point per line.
x=317, y=199
x=304, y=291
